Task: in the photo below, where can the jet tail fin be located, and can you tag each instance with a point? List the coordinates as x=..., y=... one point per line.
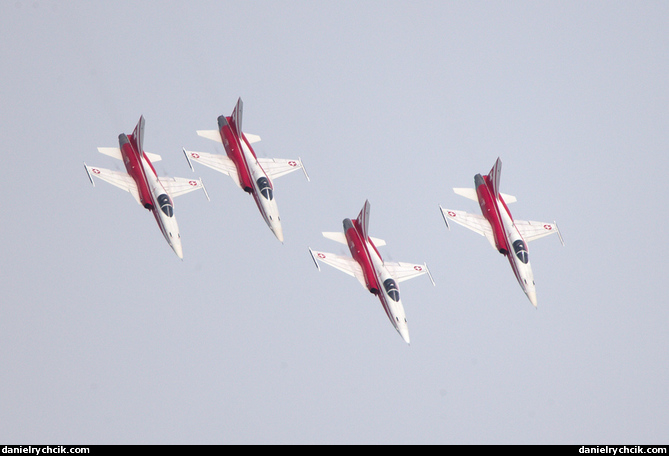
x=495, y=176
x=138, y=134
x=236, y=117
x=363, y=220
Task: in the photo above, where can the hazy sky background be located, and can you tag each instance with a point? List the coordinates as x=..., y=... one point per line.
x=106, y=337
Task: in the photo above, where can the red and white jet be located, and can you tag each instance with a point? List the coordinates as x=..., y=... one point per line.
x=508, y=236
x=253, y=175
x=378, y=276
x=141, y=181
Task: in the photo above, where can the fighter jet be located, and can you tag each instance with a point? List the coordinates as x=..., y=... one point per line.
x=378, y=276
x=508, y=236
x=253, y=175
x=141, y=181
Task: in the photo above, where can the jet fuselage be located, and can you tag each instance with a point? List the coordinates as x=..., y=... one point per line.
x=152, y=194
x=508, y=240
x=377, y=278
x=252, y=177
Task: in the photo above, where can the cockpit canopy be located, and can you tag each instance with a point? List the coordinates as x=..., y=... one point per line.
x=265, y=188
x=165, y=204
x=521, y=251
x=391, y=288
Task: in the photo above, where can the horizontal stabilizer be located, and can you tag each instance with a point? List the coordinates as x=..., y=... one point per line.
x=111, y=151
x=508, y=199
x=115, y=152
x=214, y=135
x=252, y=138
x=152, y=157
x=377, y=242
x=469, y=193
x=336, y=236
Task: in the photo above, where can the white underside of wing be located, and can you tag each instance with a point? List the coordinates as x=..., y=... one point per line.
x=405, y=271
x=119, y=179
x=345, y=264
x=277, y=167
x=177, y=186
x=474, y=222
x=219, y=162
x=531, y=230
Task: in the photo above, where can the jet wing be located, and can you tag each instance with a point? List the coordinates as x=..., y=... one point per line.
x=120, y=179
x=406, y=271
x=219, y=162
x=277, y=167
x=343, y=263
x=531, y=230
x=474, y=222
x=177, y=186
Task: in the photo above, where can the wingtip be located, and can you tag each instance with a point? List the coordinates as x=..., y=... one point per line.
x=89, y=174
x=304, y=170
x=311, y=252
x=429, y=274
x=206, y=193
x=188, y=159
x=444, y=217
x=558, y=232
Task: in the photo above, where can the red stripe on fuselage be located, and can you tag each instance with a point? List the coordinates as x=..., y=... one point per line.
x=358, y=248
x=490, y=211
x=233, y=148
x=133, y=165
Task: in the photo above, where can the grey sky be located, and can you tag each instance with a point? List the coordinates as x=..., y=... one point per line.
x=107, y=337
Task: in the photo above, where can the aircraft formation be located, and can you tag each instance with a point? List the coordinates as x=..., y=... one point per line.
x=255, y=176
